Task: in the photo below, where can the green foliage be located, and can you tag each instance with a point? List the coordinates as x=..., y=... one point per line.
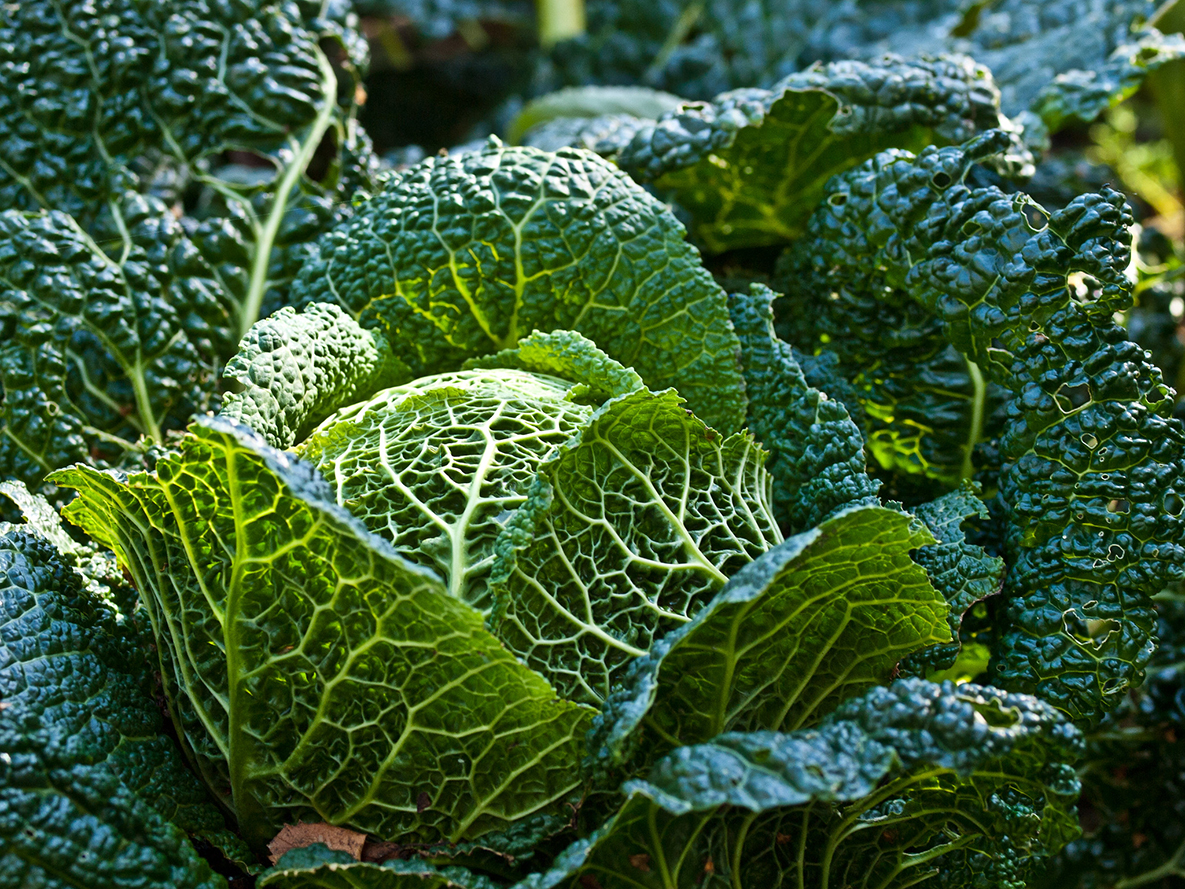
x=629, y=529
x=97, y=352
x=1090, y=452
x=92, y=792
x=311, y=670
x=905, y=776
x=815, y=621
x=527, y=550
x=116, y=316
x=437, y=465
x=751, y=165
x=465, y=255
x=961, y=571
x=318, y=867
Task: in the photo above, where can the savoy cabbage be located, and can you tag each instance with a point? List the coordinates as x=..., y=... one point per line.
x=741, y=475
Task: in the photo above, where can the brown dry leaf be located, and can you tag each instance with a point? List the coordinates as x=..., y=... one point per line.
x=299, y=835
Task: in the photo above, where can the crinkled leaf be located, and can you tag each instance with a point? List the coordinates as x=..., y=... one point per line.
x=311, y=671
x=96, y=352
x=121, y=331
x=961, y=571
x=94, y=793
x=628, y=530
x=569, y=356
x=811, y=623
x=437, y=466
x=465, y=255
x=816, y=454
x=1024, y=44
x=297, y=369
x=909, y=777
x=1094, y=465
x=101, y=88
x=751, y=165
x=100, y=574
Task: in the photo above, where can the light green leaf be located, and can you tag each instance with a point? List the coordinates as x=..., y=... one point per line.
x=310, y=670
x=437, y=466
x=811, y=623
x=629, y=530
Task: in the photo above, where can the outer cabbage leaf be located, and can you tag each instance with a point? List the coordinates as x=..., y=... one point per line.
x=101, y=88
x=92, y=792
x=628, y=530
x=814, y=621
x=1133, y=786
x=894, y=785
x=1094, y=466
x=922, y=406
x=95, y=351
x=816, y=454
x=1023, y=44
x=310, y=670
x=750, y=165
x=464, y=255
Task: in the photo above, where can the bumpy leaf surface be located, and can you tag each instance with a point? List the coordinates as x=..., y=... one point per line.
x=1023, y=44
x=816, y=454
x=751, y=165
x=102, y=89
x=961, y=571
x=92, y=792
x=921, y=404
x=1094, y=465
x=811, y=623
x=297, y=369
x=437, y=466
x=465, y=255
x=311, y=671
x=96, y=351
x=628, y=531
x=905, y=778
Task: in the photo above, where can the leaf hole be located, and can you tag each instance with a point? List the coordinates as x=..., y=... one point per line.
x=1173, y=503
x=1070, y=398
x=941, y=179
x=1119, y=506
x=1036, y=218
